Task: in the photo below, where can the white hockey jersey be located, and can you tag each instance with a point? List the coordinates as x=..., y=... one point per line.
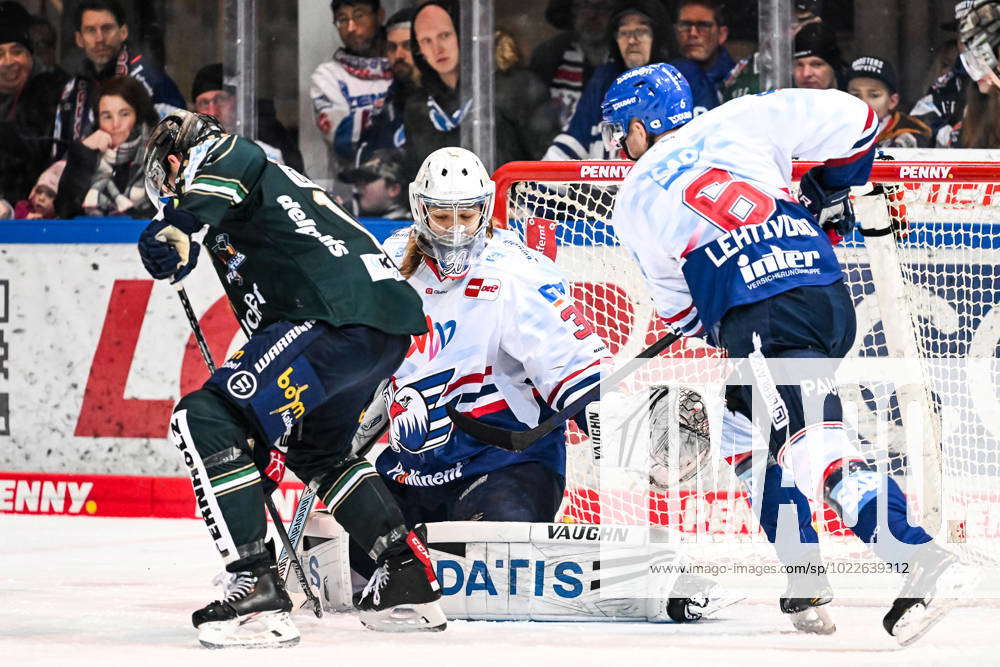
x=506, y=342
x=345, y=92
x=707, y=212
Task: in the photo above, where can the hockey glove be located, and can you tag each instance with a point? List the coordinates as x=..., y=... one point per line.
x=832, y=208
x=165, y=245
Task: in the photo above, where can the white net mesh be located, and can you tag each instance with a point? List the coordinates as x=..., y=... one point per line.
x=943, y=280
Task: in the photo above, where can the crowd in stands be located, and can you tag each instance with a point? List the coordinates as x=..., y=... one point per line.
x=71, y=142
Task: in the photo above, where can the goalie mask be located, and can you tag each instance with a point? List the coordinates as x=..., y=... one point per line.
x=451, y=201
x=176, y=134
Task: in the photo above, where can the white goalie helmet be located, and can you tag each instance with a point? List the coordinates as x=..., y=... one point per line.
x=451, y=201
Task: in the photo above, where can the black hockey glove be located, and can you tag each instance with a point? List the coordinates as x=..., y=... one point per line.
x=165, y=245
x=832, y=208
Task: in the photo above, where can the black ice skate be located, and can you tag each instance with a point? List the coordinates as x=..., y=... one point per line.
x=403, y=594
x=694, y=598
x=936, y=582
x=254, y=614
x=804, y=601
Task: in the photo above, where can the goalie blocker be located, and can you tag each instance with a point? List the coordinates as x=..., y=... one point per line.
x=534, y=571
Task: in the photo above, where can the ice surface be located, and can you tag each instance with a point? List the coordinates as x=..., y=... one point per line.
x=84, y=590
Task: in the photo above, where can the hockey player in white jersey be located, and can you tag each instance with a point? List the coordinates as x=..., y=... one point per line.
x=728, y=253
x=506, y=344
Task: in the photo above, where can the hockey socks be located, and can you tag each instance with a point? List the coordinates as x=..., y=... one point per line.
x=854, y=490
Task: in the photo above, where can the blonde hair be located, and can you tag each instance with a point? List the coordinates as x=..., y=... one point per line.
x=413, y=254
x=508, y=54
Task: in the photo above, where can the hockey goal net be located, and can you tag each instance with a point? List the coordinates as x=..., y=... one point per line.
x=927, y=295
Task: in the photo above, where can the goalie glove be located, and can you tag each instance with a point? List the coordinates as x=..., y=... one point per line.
x=165, y=246
x=831, y=207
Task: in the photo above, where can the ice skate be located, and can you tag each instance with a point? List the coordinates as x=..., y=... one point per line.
x=254, y=614
x=804, y=601
x=694, y=598
x=403, y=593
x=936, y=583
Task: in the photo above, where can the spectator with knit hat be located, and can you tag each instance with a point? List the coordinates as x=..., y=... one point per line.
x=873, y=81
x=817, y=58
x=41, y=202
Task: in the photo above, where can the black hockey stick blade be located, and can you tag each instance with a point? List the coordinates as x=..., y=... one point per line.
x=518, y=441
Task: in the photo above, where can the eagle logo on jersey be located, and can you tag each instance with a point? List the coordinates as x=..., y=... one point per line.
x=417, y=423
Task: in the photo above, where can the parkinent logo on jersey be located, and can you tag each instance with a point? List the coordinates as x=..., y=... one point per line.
x=483, y=288
x=777, y=264
x=781, y=226
x=417, y=422
x=414, y=477
x=306, y=225
x=431, y=343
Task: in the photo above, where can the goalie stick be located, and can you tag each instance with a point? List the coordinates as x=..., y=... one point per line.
x=279, y=526
x=518, y=441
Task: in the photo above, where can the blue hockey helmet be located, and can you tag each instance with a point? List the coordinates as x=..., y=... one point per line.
x=656, y=94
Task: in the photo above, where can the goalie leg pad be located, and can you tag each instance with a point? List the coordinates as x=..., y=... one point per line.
x=227, y=484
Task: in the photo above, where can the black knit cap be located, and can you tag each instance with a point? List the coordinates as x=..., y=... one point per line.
x=14, y=23
x=819, y=40
x=209, y=77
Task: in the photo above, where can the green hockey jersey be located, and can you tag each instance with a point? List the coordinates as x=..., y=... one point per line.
x=284, y=250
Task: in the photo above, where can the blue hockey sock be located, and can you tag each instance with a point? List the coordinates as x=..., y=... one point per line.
x=773, y=497
x=854, y=492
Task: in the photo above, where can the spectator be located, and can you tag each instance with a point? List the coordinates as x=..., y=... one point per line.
x=211, y=96
x=41, y=203
x=6, y=210
x=705, y=62
x=744, y=78
x=980, y=126
x=525, y=120
x=347, y=89
x=102, y=33
x=817, y=58
x=943, y=107
x=28, y=100
x=43, y=38
x=638, y=33
x=378, y=186
x=567, y=61
x=386, y=129
x=104, y=174
x=873, y=80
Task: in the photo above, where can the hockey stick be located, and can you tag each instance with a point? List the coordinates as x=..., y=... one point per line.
x=279, y=527
x=518, y=441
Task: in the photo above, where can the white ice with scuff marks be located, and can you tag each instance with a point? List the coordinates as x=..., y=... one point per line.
x=87, y=591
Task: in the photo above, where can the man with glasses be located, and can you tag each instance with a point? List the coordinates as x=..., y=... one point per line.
x=347, y=89
x=102, y=32
x=567, y=61
x=217, y=98
x=639, y=33
x=705, y=62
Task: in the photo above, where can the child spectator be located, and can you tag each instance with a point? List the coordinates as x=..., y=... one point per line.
x=41, y=203
x=104, y=173
x=873, y=81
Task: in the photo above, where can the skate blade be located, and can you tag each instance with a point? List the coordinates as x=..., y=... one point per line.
x=956, y=582
x=814, y=620
x=406, y=618
x=263, y=630
x=717, y=604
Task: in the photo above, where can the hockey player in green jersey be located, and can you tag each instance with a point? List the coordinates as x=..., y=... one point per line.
x=328, y=318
